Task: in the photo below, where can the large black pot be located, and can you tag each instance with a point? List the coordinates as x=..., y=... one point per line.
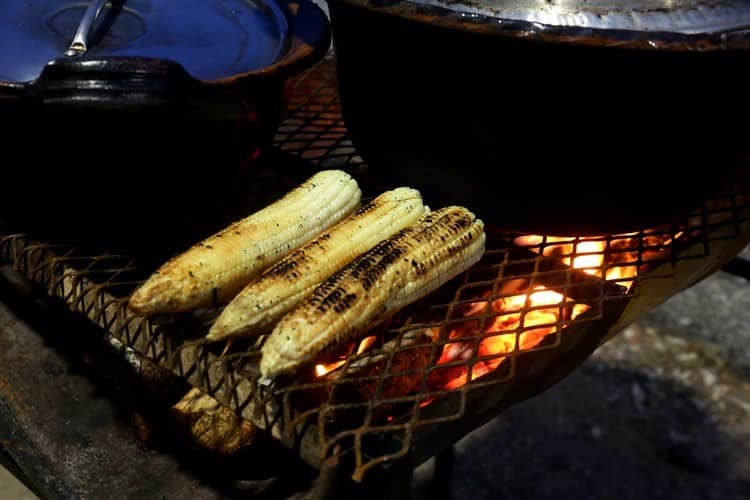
x=541, y=127
x=148, y=129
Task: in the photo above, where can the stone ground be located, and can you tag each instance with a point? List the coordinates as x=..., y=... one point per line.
x=662, y=411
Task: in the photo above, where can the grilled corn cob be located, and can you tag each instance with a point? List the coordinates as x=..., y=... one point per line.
x=214, y=270
x=396, y=272
x=264, y=301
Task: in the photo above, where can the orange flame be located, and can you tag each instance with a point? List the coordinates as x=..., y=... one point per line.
x=325, y=368
x=544, y=310
x=615, y=258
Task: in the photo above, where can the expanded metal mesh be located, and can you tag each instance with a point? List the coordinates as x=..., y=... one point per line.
x=532, y=309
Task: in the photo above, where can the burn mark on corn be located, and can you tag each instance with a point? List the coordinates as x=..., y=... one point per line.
x=381, y=267
x=330, y=299
x=289, y=266
x=369, y=269
x=345, y=303
x=319, y=242
x=333, y=297
x=365, y=209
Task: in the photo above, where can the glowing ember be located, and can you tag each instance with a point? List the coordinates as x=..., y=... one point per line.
x=494, y=330
x=618, y=260
x=366, y=344
x=325, y=368
x=589, y=256
x=544, y=312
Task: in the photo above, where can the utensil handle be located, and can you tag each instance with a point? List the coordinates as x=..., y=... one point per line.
x=80, y=43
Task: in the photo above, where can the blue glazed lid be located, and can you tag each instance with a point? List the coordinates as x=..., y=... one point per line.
x=210, y=39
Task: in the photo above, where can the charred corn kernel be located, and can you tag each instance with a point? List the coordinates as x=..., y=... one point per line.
x=214, y=270
x=264, y=301
x=396, y=272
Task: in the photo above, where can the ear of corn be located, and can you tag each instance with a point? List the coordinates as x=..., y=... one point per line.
x=214, y=270
x=396, y=272
x=264, y=301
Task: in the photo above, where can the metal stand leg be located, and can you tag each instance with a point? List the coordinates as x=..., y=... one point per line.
x=392, y=482
x=332, y=482
x=398, y=483
x=440, y=488
x=739, y=267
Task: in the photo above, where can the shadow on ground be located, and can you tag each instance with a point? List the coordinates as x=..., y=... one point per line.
x=603, y=432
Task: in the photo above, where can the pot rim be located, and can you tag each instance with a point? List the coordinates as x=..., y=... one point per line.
x=737, y=39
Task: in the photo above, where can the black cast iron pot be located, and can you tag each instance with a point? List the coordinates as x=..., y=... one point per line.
x=562, y=117
x=145, y=127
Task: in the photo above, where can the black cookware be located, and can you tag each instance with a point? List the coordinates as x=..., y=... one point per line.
x=566, y=116
x=129, y=116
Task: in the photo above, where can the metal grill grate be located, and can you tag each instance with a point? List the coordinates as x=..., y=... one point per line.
x=313, y=128
x=529, y=312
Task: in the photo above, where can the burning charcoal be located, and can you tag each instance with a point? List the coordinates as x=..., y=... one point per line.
x=519, y=319
x=619, y=258
x=317, y=393
x=363, y=381
x=410, y=357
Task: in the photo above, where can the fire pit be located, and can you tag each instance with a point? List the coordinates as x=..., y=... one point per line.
x=532, y=310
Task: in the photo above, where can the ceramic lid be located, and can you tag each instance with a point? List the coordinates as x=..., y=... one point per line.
x=211, y=39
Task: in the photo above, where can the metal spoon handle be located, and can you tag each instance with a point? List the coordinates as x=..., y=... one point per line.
x=80, y=43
